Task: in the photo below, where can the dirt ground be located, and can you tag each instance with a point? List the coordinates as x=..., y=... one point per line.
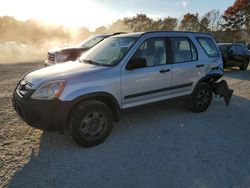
x=158, y=146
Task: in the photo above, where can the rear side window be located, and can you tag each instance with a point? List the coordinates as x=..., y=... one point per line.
x=208, y=46
x=183, y=50
x=224, y=48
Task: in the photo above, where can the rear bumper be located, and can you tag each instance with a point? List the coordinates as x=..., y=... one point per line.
x=48, y=115
x=221, y=88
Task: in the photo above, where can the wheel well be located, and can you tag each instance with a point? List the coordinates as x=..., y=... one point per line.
x=210, y=78
x=115, y=109
x=106, y=99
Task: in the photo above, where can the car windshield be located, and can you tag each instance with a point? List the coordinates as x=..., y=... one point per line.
x=92, y=41
x=109, y=52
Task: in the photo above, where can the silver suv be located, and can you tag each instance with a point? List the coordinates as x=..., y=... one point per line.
x=85, y=97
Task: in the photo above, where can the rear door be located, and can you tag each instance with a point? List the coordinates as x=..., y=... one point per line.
x=186, y=67
x=152, y=82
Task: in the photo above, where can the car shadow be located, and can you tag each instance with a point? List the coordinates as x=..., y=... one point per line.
x=238, y=74
x=157, y=146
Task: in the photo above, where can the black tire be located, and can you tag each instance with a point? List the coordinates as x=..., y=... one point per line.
x=201, y=98
x=90, y=123
x=224, y=65
x=245, y=65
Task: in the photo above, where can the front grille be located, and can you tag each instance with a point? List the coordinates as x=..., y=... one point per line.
x=51, y=57
x=23, y=88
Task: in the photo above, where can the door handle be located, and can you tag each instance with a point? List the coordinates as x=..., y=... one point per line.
x=164, y=70
x=200, y=65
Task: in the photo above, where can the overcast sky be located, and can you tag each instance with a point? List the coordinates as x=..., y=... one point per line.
x=95, y=13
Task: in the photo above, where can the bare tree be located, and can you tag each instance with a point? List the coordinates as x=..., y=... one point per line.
x=140, y=22
x=118, y=26
x=101, y=30
x=204, y=25
x=215, y=19
x=190, y=22
x=169, y=23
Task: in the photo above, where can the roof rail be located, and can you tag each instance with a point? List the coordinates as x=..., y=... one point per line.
x=174, y=31
x=162, y=31
x=118, y=33
x=188, y=32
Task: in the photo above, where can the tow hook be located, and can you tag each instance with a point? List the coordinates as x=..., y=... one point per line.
x=221, y=88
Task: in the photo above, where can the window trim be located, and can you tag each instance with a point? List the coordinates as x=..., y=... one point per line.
x=190, y=44
x=210, y=56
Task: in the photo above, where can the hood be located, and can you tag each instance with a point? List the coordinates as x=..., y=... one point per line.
x=60, y=72
x=67, y=49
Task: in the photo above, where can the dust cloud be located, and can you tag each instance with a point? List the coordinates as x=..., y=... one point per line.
x=16, y=52
x=31, y=40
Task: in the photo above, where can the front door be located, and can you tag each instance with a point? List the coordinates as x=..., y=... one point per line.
x=152, y=82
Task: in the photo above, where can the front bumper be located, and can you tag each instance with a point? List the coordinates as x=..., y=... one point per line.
x=48, y=115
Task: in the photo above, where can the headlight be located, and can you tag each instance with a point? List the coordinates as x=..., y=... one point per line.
x=61, y=57
x=49, y=90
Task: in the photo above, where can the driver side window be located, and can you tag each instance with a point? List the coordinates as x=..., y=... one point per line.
x=153, y=51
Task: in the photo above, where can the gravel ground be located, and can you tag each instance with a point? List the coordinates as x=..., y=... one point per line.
x=158, y=146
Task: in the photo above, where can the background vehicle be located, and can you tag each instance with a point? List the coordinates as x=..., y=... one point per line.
x=85, y=97
x=64, y=54
x=234, y=55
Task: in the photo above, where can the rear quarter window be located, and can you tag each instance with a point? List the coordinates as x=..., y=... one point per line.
x=224, y=48
x=208, y=46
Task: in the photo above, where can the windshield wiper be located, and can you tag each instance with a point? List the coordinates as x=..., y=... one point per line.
x=94, y=62
x=90, y=61
x=80, y=61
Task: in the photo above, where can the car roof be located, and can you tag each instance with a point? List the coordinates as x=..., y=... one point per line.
x=228, y=44
x=108, y=34
x=138, y=34
x=225, y=44
x=102, y=35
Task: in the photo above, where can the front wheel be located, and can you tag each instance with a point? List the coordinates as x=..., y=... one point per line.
x=201, y=98
x=245, y=65
x=90, y=123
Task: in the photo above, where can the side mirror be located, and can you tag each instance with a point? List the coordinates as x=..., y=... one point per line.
x=136, y=63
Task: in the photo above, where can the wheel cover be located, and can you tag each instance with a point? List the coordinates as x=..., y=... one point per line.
x=93, y=125
x=203, y=98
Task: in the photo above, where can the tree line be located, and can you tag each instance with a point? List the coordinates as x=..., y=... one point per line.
x=232, y=24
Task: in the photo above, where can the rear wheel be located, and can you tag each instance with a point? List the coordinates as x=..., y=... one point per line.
x=244, y=65
x=200, y=98
x=91, y=123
